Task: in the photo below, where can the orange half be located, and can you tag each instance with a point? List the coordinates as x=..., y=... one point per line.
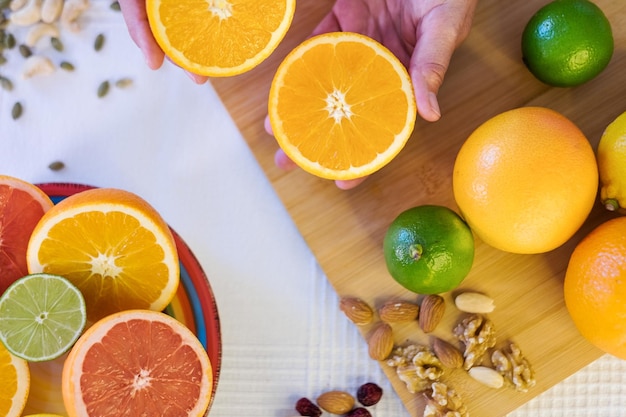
x=341, y=105
x=14, y=383
x=113, y=246
x=219, y=38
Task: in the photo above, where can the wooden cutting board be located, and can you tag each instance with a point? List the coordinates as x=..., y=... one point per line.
x=344, y=229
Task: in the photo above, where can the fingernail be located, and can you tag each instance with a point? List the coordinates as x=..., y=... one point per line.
x=434, y=104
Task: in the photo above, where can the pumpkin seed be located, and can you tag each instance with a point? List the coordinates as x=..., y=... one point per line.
x=99, y=42
x=9, y=41
x=25, y=51
x=124, y=83
x=17, y=110
x=103, y=89
x=6, y=83
x=67, y=66
x=56, y=43
x=3, y=59
x=115, y=6
x=56, y=165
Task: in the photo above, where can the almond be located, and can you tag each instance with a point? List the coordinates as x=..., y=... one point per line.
x=431, y=312
x=357, y=310
x=336, y=402
x=487, y=376
x=449, y=355
x=474, y=302
x=380, y=342
x=398, y=311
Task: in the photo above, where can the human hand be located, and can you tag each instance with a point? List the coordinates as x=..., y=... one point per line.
x=134, y=12
x=423, y=34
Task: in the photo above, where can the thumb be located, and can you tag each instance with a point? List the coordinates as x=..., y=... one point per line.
x=437, y=39
x=427, y=67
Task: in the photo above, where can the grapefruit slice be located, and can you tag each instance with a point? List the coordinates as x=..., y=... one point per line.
x=22, y=204
x=137, y=363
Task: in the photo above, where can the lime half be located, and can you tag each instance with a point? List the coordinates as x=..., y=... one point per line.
x=41, y=316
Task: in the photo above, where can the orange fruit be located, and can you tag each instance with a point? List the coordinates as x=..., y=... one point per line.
x=15, y=383
x=222, y=37
x=428, y=249
x=137, y=363
x=567, y=42
x=341, y=105
x=595, y=287
x=526, y=180
x=113, y=246
x=22, y=204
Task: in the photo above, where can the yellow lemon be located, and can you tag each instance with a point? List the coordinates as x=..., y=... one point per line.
x=612, y=165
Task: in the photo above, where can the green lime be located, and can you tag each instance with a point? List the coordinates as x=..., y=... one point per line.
x=41, y=316
x=567, y=42
x=429, y=249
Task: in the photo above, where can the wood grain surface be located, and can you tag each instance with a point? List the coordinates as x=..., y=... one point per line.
x=344, y=229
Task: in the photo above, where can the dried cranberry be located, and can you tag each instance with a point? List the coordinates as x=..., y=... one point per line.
x=306, y=407
x=369, y=394
x=359, y=412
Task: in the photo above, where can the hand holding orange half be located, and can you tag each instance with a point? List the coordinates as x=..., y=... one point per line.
x=228, y=36
x=421, y=34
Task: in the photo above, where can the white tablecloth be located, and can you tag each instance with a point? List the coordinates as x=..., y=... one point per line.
x=173, y=143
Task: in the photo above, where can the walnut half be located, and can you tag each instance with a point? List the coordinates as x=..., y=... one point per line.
x=478, y=334
x=443, y=401
x=416, y=365
x=514, y=367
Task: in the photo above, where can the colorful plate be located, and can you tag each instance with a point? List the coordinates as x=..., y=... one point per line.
x=194, y=305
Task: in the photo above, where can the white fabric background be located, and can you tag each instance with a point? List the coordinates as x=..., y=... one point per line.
x=173, y=143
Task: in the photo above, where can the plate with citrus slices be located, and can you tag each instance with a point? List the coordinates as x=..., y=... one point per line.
x=190, y=302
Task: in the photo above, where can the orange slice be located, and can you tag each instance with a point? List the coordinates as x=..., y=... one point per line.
x=219, y=38
x=341, y=105
x=15, y=383
x=113, y=246
x=22, y=204
x=137, y=363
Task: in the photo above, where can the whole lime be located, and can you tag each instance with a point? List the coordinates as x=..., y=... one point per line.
x=567, y=42
x=429, y=249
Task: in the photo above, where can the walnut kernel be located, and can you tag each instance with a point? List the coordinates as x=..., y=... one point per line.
x=478, y=335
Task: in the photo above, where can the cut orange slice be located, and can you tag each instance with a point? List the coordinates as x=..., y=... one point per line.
x=137, y=363
x=341, y=106
x=113, y=246
x=15, y=383
x=219, y=38
x=22, y=204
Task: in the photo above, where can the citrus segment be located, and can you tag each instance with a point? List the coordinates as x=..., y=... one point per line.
x=22, y=204
x=341, y=105
x=611, y=155
x=219, y=37
x=113, y=246
x=526, y=180
x=595, y=287
x=567, y=42
x=15, y=383
x=429, y=249
x=41, y=316
x=135, y=363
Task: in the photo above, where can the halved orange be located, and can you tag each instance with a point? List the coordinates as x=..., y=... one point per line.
x=137, y=363
x=14, y=383
x=341, y=105
x=22, y=204
x=219, y=38
x=113, y=246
